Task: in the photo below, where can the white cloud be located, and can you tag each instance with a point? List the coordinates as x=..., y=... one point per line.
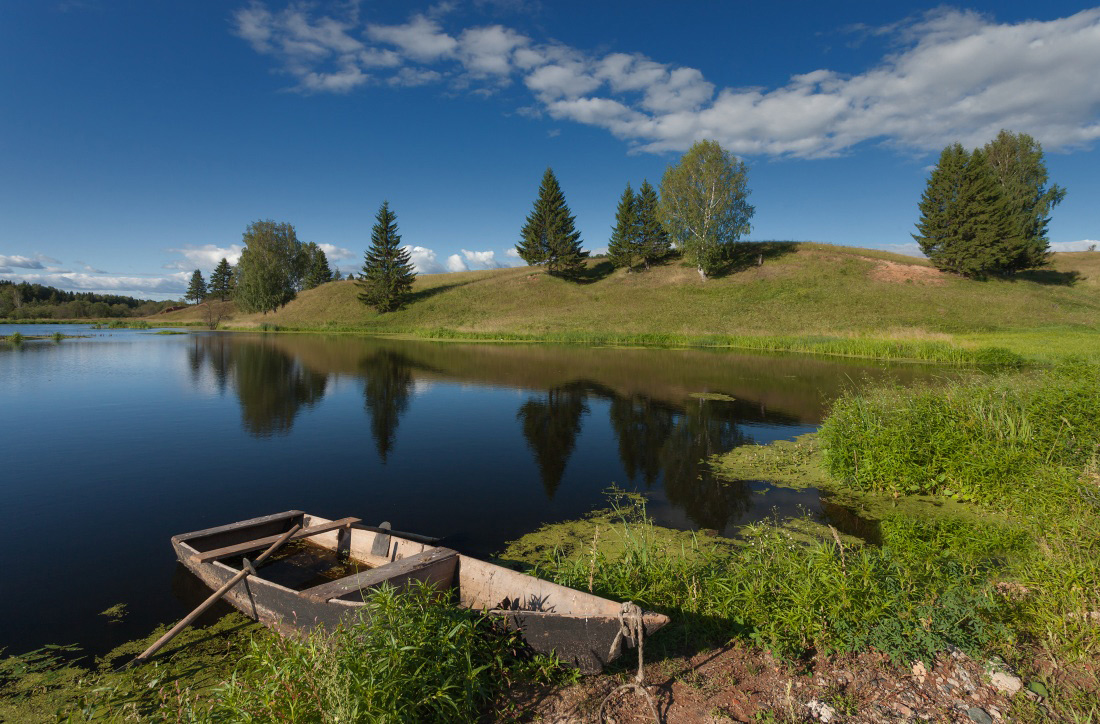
x=23, y=262
x=1082, y=245
x=332, y=252
x=421, y=39
x=481, y=259
x=205, y=257
x=955, y=76
x=488, y=51
x=512, y=252
x=167, y=285
x=424, y=260
x=455, y=263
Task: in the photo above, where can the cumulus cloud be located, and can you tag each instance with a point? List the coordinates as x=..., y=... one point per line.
x=421, y=39
x=332, y=252
x=424, y=260
x=953, y=76
x=206, y=256
x=455, y=263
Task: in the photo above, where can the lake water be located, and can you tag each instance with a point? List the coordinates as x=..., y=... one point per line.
x=111, y=444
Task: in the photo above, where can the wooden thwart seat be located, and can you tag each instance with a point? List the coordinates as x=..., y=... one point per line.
x=436, y=566
x=264, y=542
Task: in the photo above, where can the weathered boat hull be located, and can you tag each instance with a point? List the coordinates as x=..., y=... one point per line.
x=580, y=628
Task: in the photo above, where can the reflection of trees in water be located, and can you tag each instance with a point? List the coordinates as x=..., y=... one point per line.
x=550, y=426
x=386, y=395
x=704, y=428
x=642, y=426
x=196, y=355
x=271, y=386
x=655, y=439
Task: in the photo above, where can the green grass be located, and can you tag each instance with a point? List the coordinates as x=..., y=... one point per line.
x=998, y=438
x=418, y=658
x=805, y=298
x=415, y=658
x=925, y=588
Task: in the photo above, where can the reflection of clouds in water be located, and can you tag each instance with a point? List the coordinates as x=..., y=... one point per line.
x=420, y=387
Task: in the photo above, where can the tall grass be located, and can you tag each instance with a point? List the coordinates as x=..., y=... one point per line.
x=926, y=587
x=414, y=657
x=993, y=439
x=1027, y=444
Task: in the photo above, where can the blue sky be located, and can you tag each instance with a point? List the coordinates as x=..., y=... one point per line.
x=139, y=138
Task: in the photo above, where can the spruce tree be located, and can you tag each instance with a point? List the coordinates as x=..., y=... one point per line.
x=653, y=241
x=196, y=292
x=387, y=274
x=317, y=268
x=966, y=224
x=622, y=248
x=548, y=237
x=221, y=280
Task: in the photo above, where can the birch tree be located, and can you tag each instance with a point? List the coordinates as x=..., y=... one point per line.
x=704, y=204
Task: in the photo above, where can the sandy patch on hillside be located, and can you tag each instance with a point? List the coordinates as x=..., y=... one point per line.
x=892, y=271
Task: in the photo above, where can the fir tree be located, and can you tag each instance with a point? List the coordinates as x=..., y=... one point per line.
x=317, y=268
x=337, y=276
x=196, y=292
x=653, y=241
x=966, y=223
x=221, y=280
x=387, y=273
x=548, y=237
x=622, y=248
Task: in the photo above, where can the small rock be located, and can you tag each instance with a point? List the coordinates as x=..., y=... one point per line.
x=920, y=672
x=995, y=712
x=979, y=715
x=903, y=710
x=1006, y=683
x=821, y=711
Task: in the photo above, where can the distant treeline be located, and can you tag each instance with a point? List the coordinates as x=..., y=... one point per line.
x=37, y=301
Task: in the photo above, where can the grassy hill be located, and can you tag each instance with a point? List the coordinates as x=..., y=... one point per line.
x=804, y=297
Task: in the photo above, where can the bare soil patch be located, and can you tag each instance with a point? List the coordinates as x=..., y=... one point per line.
x=740, y=684
x=892, y=271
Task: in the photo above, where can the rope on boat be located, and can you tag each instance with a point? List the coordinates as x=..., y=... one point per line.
x=632, y=631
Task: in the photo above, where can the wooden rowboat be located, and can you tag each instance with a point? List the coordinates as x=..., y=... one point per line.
x=582, y=629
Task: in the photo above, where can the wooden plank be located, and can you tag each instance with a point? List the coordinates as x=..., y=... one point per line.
x=215, y=596
x=264, y=542
x=433, y=566
x=240, y=524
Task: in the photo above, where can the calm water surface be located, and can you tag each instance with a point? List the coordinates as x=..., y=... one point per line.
x=111, y=444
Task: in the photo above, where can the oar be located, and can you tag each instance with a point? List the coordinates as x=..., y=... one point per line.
x=245, y=571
